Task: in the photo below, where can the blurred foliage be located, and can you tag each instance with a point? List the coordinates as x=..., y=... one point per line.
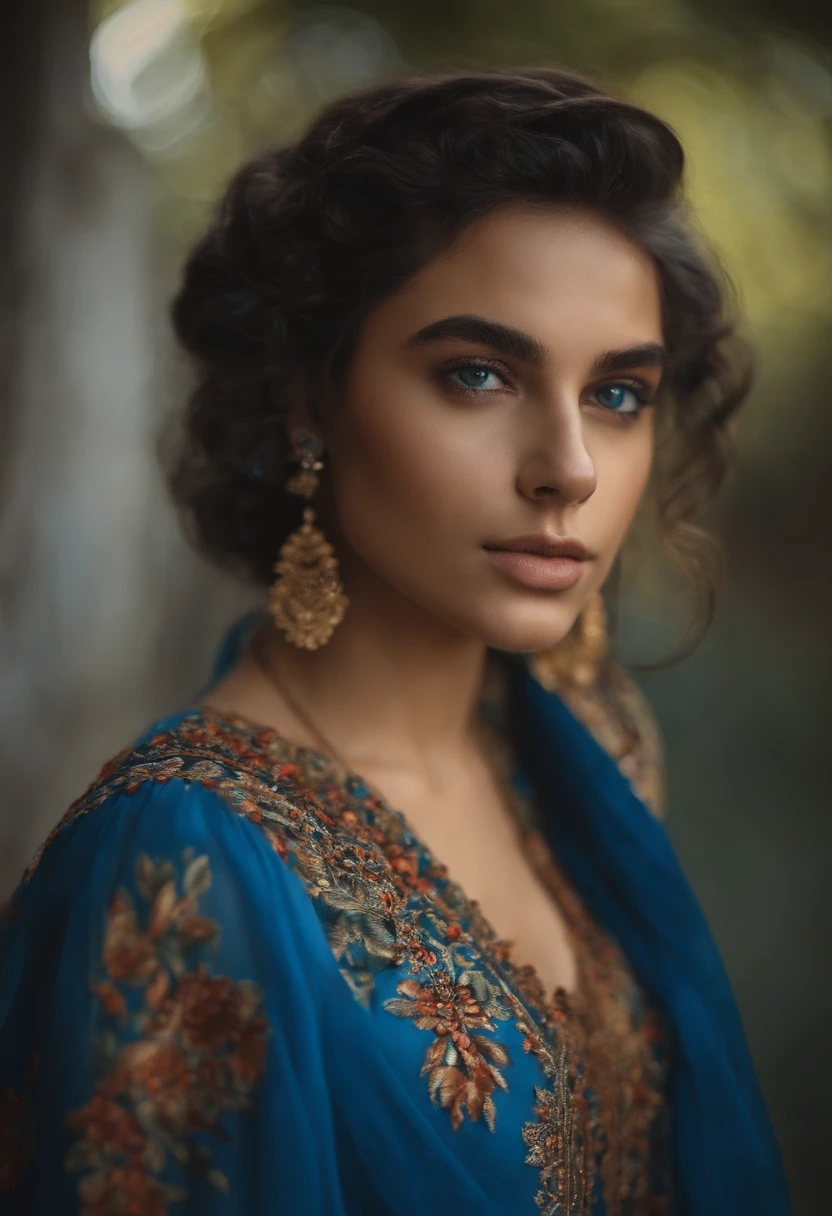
x=752, y=107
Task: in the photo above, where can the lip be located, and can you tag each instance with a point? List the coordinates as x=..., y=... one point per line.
x=546, y=546
x=544, y=562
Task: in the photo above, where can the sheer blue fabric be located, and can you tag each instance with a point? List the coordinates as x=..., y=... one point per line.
x=328, y=1128
x=619, y=856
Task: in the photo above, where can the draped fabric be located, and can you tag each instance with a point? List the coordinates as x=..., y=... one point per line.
x=726, y=1158
x=233, y=981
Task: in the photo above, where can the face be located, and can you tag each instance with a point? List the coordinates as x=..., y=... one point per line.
x=502, y=393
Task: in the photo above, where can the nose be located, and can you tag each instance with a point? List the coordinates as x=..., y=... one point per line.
x=557, y=464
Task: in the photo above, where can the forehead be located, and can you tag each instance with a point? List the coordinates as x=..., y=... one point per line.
x=567, y=275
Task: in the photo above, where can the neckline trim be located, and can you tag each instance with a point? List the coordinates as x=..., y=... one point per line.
x=525, y=977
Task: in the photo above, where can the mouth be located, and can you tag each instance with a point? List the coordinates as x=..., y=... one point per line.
x=544, y=545
x=556, y=570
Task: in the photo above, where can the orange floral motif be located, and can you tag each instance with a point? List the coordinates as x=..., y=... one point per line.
x=112, y=1000
x=110, y=1126
x=463, y=1068
x=199, y=1048
x=126, y=1188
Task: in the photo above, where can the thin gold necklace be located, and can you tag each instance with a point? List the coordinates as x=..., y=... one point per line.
x=268, y=670
x=329, y=748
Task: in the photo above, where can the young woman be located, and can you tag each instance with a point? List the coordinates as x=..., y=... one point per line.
x=385, y=921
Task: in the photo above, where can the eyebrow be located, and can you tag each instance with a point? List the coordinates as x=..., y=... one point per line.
x=519, y=344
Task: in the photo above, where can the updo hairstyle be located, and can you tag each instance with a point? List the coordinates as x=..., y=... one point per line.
x=311, y=236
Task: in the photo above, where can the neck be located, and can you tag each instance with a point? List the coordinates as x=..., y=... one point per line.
x=393, y=687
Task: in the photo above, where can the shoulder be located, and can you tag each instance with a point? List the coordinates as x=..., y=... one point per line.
x=158, y=962
x=191, y=828
x=187, y=781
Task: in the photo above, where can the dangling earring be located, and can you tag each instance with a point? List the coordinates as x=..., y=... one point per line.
x=307, y=599
x=575, y=663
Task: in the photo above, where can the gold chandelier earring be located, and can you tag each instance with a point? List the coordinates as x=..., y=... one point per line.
x=307, y=599
x=576, y=662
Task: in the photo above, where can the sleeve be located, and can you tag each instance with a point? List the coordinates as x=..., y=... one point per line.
x=160, y=1047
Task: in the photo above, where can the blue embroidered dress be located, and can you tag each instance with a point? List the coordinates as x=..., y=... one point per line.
x=234, y=981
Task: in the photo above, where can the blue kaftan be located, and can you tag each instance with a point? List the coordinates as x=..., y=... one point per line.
x=235, y=982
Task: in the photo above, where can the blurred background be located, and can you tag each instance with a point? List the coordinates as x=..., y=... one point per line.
x=120, y=121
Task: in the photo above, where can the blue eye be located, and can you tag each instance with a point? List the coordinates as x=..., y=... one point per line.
x=477, y=375
x=617, y=396
x=470, y=376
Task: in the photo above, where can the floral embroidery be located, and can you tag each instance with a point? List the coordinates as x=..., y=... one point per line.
x=463, y=1067
x=199, y=1049
x=556, y=1143
x=618, y=1035
x=386, y=902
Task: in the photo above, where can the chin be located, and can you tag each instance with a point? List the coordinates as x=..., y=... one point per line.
x=531, y=631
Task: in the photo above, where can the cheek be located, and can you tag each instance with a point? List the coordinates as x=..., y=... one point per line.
x=402, y=478
x=623, y=470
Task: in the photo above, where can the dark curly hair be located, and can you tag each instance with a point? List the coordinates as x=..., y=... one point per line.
x=310, y=236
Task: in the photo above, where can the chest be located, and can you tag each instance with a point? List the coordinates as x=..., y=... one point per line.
x=455, y=1010
x=471, y=829
x=483, y=854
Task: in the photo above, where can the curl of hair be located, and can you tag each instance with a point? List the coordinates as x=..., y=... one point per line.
x=310, y=237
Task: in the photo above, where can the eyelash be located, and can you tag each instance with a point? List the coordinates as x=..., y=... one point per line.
x=639, y=390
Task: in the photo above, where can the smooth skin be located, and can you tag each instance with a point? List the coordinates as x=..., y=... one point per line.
x=426, y=462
